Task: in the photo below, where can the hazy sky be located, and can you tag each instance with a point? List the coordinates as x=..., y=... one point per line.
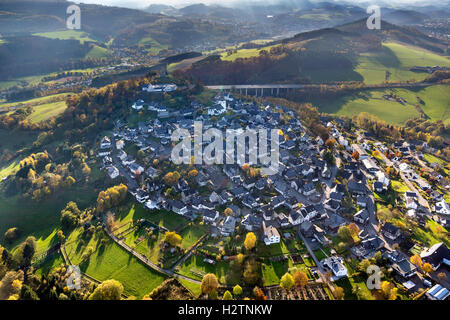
x=178, y=3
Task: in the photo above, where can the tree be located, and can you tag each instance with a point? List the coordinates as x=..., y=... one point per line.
x=26, y=293
x=300, y=279
x=193, y=173
x=70, y=215
x=237, y=290
x=11, y=234
x=209, y=283
x=389, y=290
x=355, y=155
x=26, y=251
x=172, y=238
x=228, y=212
x=250, y=241
x=227, y=295
x=416, y=260
x=353, y=228
x=107, y=290
x=287, y=281
x=345, y=234
x=442, y=276
x=330, y=143
x=338, y=293
x=427, y=268
x=259, y=293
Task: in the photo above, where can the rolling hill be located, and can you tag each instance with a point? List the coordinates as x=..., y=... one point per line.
x=345, y=53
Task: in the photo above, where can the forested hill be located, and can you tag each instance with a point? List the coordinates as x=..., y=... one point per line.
x=346, y=53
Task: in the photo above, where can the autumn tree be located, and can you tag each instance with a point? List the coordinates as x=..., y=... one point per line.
x=228, y=212
x=237, y=290
x=172, y=238
x=416, y=260
x=227, y=296
x=355, y=155
x=193, y=173
x=338, y=293
x=172, y=177
x=259, y=294
x=442, y=276
x=427, y=268
x=287, y=281
x=389, y=290
x=209, y=283
x=300, y=279
x=250, y=241
x=107, y=290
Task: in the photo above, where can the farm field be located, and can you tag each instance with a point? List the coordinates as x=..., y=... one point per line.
x=40, y=100
x=370, y=102
x=136, y=211
x=397, y=59
x=110, y=261
x=47, y=111
x=67, y=35
x=244, y=53
x=435, y=104
x=98, y=52
x=39, y=221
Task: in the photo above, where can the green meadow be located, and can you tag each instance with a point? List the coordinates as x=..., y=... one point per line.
x=67, y=35
x=436, y=100
x=47, y=111
x=397, y=59
x=110, y=261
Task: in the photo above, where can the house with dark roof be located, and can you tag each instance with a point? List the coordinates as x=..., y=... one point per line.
x=251, y=222
x=362, y=216
x=437, y=255
x=390, y=231
x=356, y=188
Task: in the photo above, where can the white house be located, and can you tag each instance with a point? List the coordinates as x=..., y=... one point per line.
x=442, y=207
x=138, y=105
x=336, y=265
x=271, y=234
x=113, y=172
x=105, y=143
x=120, y=144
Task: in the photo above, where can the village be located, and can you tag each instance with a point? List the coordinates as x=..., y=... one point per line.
x=336, y=204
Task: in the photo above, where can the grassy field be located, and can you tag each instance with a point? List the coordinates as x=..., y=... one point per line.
x=399, y=186
x=9, y=169
x=244, y=53
x=167, y=219
x=397, y=59
x=155, y=46
x=39, y=219
x=98, y=52
x=110, y=261
x=436, y=100
x=195, y=268
x=40, y=100
x=67, y=35
x=47, y=111
x=371, y=102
